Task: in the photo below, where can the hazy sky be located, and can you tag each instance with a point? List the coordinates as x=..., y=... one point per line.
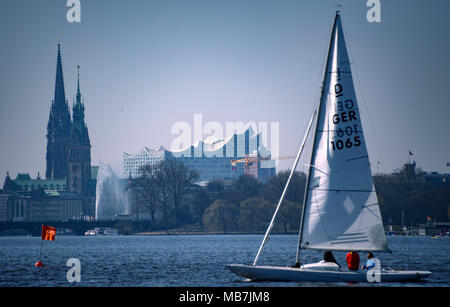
x=147, y=64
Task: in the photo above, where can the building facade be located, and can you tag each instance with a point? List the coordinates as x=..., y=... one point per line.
x=133, y=162
x=41, y=205
x=24, y=183
x=212, y=158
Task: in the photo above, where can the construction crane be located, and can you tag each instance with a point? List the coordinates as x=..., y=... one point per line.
x=251, y=165
x=248, y=161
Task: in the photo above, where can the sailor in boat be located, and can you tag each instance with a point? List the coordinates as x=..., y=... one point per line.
x=352, y=260
x=370, y=263
x=329, y=263
x=328, y=257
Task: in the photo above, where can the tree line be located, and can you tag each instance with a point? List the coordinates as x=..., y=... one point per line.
x=248, y=205
x=411, y=204
x=167, y=193
x=162, y=191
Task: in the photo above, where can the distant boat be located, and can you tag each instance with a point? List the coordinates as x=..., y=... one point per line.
x=90, y=232
x=101, y=231
x=94, y=232
x=341, y=211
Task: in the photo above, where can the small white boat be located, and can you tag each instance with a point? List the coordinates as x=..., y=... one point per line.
x=321, y=274
x=90, y=232
x=340, y=209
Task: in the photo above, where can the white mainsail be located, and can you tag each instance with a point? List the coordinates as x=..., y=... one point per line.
x=341, y=208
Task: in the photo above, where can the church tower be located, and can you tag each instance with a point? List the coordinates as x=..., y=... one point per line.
x=58, y=128
x=79, y=149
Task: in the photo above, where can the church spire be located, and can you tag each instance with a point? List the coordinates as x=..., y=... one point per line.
x=79, y=129
x=58, y=127
x=78, y=96
x=79, y=148
x=60, y=96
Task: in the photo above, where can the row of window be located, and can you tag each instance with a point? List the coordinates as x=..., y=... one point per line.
x=29, y=187
x=45, y=210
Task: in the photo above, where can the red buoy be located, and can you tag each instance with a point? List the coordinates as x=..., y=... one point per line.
x=38, y=264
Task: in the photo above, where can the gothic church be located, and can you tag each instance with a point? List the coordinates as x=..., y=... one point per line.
x=68, y=145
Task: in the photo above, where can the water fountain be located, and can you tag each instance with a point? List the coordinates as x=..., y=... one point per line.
x=111, y=197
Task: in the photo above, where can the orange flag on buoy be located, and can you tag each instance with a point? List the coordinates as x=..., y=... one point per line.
x=48, y=233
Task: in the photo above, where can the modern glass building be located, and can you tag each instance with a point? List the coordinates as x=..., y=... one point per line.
x=212, y=158
x=132, y=162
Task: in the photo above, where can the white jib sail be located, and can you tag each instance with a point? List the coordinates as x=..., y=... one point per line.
x=342, y=211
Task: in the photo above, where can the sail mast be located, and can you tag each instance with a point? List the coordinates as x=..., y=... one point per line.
x=320, y=108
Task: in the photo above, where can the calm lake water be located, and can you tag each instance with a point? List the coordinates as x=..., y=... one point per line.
x=191, y=260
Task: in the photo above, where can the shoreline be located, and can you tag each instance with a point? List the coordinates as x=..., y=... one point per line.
x=178, y=233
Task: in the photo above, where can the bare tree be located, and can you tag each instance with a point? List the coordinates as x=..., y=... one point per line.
x=179, y=180
x=163, y=188
x=147, y=191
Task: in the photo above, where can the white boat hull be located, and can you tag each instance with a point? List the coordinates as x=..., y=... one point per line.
x=274, y=273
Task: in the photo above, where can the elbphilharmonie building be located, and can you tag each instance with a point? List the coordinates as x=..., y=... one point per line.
x=213, y=158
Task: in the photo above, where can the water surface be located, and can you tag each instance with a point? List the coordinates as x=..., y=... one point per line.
x=192, y=260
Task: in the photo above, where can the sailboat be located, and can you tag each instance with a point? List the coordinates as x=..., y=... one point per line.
x=340, y=210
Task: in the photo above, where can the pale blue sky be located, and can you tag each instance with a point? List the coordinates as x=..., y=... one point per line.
x=148, y=64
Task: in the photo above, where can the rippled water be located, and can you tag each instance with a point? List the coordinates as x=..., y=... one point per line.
x=191, y=260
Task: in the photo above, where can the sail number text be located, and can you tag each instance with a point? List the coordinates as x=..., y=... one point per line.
x=346, y=131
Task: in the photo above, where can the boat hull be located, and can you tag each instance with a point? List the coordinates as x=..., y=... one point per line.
x=275, y=273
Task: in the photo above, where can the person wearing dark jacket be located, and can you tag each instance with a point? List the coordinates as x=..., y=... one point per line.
x=328, y=257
